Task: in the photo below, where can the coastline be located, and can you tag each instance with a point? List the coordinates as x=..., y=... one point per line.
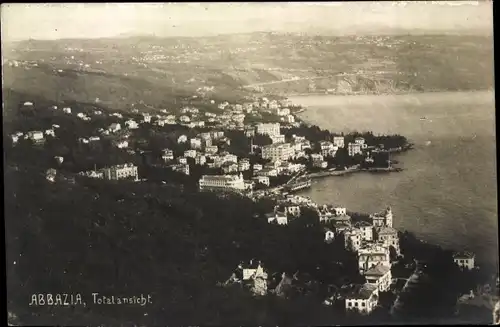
x=291, y=95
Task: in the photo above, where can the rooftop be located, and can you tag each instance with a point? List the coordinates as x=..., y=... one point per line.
x=379, y=270
x=463, y=255
x=386, y=230
x=358, y=291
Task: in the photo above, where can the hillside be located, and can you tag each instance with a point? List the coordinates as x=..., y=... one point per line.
x=157, y=70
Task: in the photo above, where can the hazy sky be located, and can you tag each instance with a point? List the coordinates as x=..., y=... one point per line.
x=53, y=21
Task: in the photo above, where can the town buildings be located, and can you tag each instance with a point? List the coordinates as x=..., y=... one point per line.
x=371, y=256
x=388, y=237
x=125, y=171
x=383, y=218
x=338, y=141
x=464, y=260
x=380, y=276
x=270, y=129
x=363, y=298
x=274, y=152
x=222, y=182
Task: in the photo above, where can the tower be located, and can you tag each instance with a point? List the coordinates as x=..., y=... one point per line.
x=388, y=217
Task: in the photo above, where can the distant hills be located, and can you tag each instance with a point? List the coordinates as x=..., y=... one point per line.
x=128, y=69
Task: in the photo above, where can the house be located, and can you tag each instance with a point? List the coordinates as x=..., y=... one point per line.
x=338, y=141
x=184, y=119
x=280, y=138
x=190, y=153
x=279, y=218
x=182, y=160
x=380, y=276
x=83, y=140
x=372, y=255
x=146, y=117
x=94, y=138
x=270, y=172
x=55, y=126
x=195, y=143
x=354, y=149
x=261, y=179
x=212, y=149
x=131, y=124
x=50, y=175
x=161, y=122
x=15, y=137
x=80, y=115
x=50, y=132
x=329, y=235
x=228, y=157
x=181, y=168
x=35, y=136
x=244, y=165
x=118, y=115
x=268, y=128
x=292, y=210
x=182, y=139
x=383, y=218
x=97, y=112
x=278, y=151
x=121, y=144
x=352, y=239
x=167, y=155
x=58, y=159
x=464, y=260
x=363, y=298
x=328, y=149
x=118, y=172
x=115, y=127
x=229, y=167
x=283, y=112
x=388, y=236
x=366, y=230
x=222, y=182
x=200, y=160
x=249, y=132
x=257, y=167
x=67, y=110
x=252, y=270
x=53, y=107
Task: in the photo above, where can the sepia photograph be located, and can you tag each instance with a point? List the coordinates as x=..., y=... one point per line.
x=250, y=164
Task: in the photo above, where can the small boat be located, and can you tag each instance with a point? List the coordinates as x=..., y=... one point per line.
x=423, y=118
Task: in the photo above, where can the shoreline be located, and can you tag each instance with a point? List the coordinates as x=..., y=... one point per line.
x=290, y=95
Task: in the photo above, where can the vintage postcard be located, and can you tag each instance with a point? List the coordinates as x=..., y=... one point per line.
x=256, y=164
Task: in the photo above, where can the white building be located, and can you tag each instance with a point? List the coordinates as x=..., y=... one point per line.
x=50, y=132
x=363, y=298
x=338, y=141
x=383, y=218
x=182, y=160
x=352, y=238
x=328, y=149
x=67, y=110
x=195, y=143
x=184, y=119
x=190, y=153
x=167, y=155
x=283, y=112
x=329, y=235
x=274, y=152
x=354, y=149
x=94, y=138
x=244, y=165
x=222, y=182
x=371, y=256
x=464, y=259
x=388, y=236
x=35, y=136
x=131, y=124
x=200, y=160
x=257, y=167
x=277, y=217
x=58, y=159
x=182, y=139
x=122, y=144
x=366, y=230
x=268, y=128
x=146, y=117
x=181, y=168
x=262, y=180
x=380, y=276
x=212, y=149
x=121, y=172
x=115, y=127
x=278, y=138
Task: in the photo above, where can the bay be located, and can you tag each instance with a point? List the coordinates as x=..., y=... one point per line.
x=447, y=192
